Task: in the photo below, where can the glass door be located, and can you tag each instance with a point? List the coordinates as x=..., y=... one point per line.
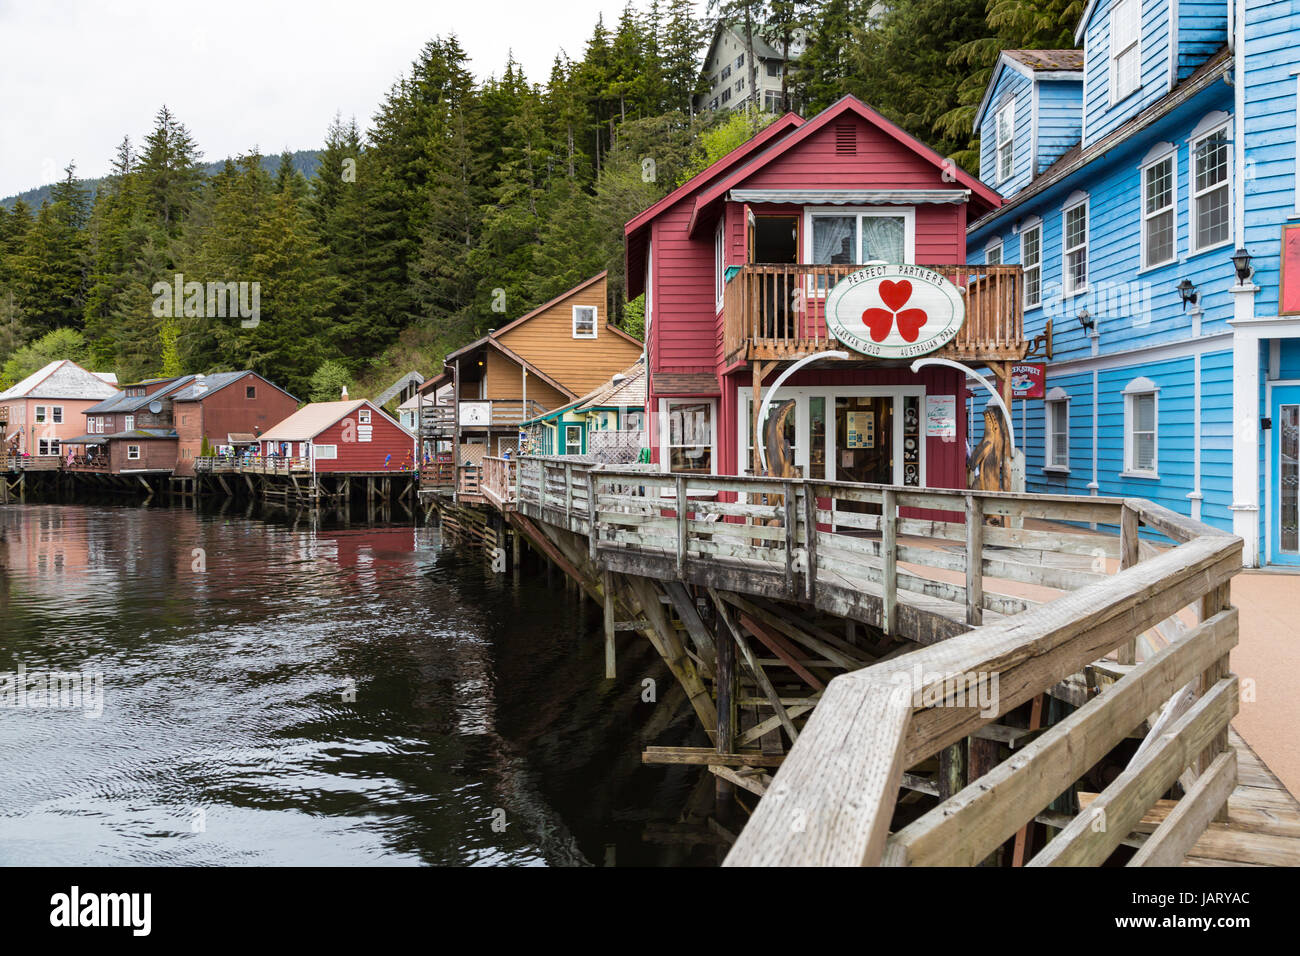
x=864, y=445
x=1285, y=532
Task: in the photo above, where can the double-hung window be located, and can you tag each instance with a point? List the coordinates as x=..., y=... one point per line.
x=993, y=253
x=1141, y=428
x=1031, y=264
x=1075, y=228
x=584, y=321
x=688, y=439
x=1058, y=434
x=1158, y=227
x=1125, y=49
x=1211, y=223
x=1006, y=128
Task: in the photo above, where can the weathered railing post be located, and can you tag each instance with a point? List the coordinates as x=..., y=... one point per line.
x=810, y=541
x=974, y=560
x=791, y=521
x=593, y=513
x=1128, y=556
x=681, y=525
x=568, y=495
x=889, y=553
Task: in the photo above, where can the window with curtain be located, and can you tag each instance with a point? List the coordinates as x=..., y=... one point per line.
x=690, y=437
x=855, y=238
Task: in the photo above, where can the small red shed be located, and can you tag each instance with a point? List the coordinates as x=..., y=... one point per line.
x=352, y=437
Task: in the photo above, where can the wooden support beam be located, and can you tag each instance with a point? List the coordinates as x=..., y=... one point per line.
x=684, y=605
x=774, y=643
x=706, y=757
x=607, y=585
x=1128, y=556
x=1180, y=830
x=756, y=669
x=832, y=649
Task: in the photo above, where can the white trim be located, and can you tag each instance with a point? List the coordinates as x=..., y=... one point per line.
x=1025, y=229
x=1185, y=348
x=1112, y=56
x=595, y=322
x=719, y=263
x=1297, y=146
x=131, y=457
x=1204, y=130
x=1170, y=156
x=1056, y=397
x=906, y=213
x=994, y=242
x=1009, y=140
x=1074, y=203
x=904, y=197
x=1140, y=388
x=803, y=424
x=662, y=425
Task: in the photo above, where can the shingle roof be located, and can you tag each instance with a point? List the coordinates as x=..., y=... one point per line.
x=686, y=383
x=210, y=384
x=310, y=420
x=625, y=390
x=144, y=433
x=1044, y=60
x=121, y=402
x=61, y=379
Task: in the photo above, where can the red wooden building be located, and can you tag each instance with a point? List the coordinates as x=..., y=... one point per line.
x=738, y=266
x=227, y=410
x=350, y=437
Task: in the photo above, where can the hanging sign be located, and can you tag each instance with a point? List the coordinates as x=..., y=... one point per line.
x=1028, y=380
x=941, y=416
x=894, y=311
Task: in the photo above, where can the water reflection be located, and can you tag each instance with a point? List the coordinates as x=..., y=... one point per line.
x=282, y=693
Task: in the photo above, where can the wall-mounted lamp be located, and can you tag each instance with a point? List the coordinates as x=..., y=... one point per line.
x=1187, y=292
x=1086, y=321
x=1241, y=262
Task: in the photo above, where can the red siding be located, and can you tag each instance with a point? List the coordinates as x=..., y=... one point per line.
x=387, y=438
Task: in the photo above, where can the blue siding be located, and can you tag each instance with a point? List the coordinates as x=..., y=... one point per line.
x=1100, y=114
x=1009, y=84
x=1060, y=118
x=1202, y=29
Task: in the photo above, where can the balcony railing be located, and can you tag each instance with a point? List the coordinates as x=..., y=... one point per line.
x=777, y=312
x=438, y=421
x=97, y=463
x=498, y=412
x=438, y=473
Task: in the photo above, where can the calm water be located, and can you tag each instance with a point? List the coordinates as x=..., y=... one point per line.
x=227, y=737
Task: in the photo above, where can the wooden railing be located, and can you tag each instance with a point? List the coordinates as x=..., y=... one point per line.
x=778, y=311
x=437, y=473
x=36, y=462
x=950, y=568
x=502, y=412
x=210, y=464
x=87, y=463
x=498, y=482
x=468, y=482
x=438, y=421
x=273, y=464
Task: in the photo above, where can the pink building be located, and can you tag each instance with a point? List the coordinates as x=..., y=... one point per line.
x=46, y=408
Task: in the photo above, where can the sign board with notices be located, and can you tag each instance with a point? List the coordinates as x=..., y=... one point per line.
x=1028, y=380
x=941, y=416
x=861, y=427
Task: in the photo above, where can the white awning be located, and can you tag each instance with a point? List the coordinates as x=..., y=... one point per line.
x=855, y=197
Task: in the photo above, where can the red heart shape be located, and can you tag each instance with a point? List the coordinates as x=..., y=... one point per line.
x=895, y=294
x=879, y=322
x=910, y=322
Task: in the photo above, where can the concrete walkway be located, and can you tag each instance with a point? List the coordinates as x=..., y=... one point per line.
x=1268, y=603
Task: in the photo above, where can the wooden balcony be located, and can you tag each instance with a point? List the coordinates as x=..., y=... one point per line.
x=87, y=463
x=498, y=412
x=438, y=421
x=438, y=473
x=777, y=312
x=274, y=465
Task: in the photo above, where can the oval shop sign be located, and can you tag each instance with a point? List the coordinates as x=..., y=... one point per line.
x=894, y=311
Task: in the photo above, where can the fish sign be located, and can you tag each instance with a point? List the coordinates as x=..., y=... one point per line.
x=894, y=311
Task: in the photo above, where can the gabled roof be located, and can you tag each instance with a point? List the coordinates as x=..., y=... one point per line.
x=64, y=379
x=490, y=341
x=624, y=390
x=1034, y=65
x=846, y=104
x=636, y=232
x=411, y=377
x=310, y=420
x=762, y=49
x=1083, y=20
x=121, y=402
x=515, y=323
x=206, y=385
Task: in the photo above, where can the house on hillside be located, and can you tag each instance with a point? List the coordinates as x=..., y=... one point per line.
x=134, y=432
x=726, y=77
x=45, y=409
x=812, y=266
x=354, y=437
x=607, y=424
x=225, y=411
x=541, y=361
x=1151, y=198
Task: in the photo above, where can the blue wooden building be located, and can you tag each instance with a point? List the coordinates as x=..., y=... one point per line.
x=1148, y=176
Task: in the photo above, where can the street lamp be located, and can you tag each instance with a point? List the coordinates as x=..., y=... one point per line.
x=1241, y=262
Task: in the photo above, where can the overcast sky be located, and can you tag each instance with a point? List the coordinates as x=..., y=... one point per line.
x=78, y=75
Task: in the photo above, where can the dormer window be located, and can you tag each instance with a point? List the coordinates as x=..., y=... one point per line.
x=1125, y=49
x=1006, y=128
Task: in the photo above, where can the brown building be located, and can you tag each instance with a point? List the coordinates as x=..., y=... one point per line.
x=226, y=409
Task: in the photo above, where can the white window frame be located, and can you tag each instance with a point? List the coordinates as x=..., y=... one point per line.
x=363, y=416
x=719, y=263
x=52, y=446
x=324, y=452
x=56, y=414
x=1067, y=274
x=1035, y=227
x=1170, y=156
x=39, y=414
x=665, y=404
x=128, y=423
x=1118, y=95
x=567, y=428
x=132, y=452
x=595, y=321
x=1141, y=388
x=992, y=252
x=1057, y=397
x=1004, y=123
x=1194, y=196
x=906, y=213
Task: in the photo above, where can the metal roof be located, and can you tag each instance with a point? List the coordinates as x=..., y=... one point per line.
x=122, y=402
x=61, y=379
x=310, y=420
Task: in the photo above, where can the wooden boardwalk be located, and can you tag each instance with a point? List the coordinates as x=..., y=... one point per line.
x=1118, y=608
